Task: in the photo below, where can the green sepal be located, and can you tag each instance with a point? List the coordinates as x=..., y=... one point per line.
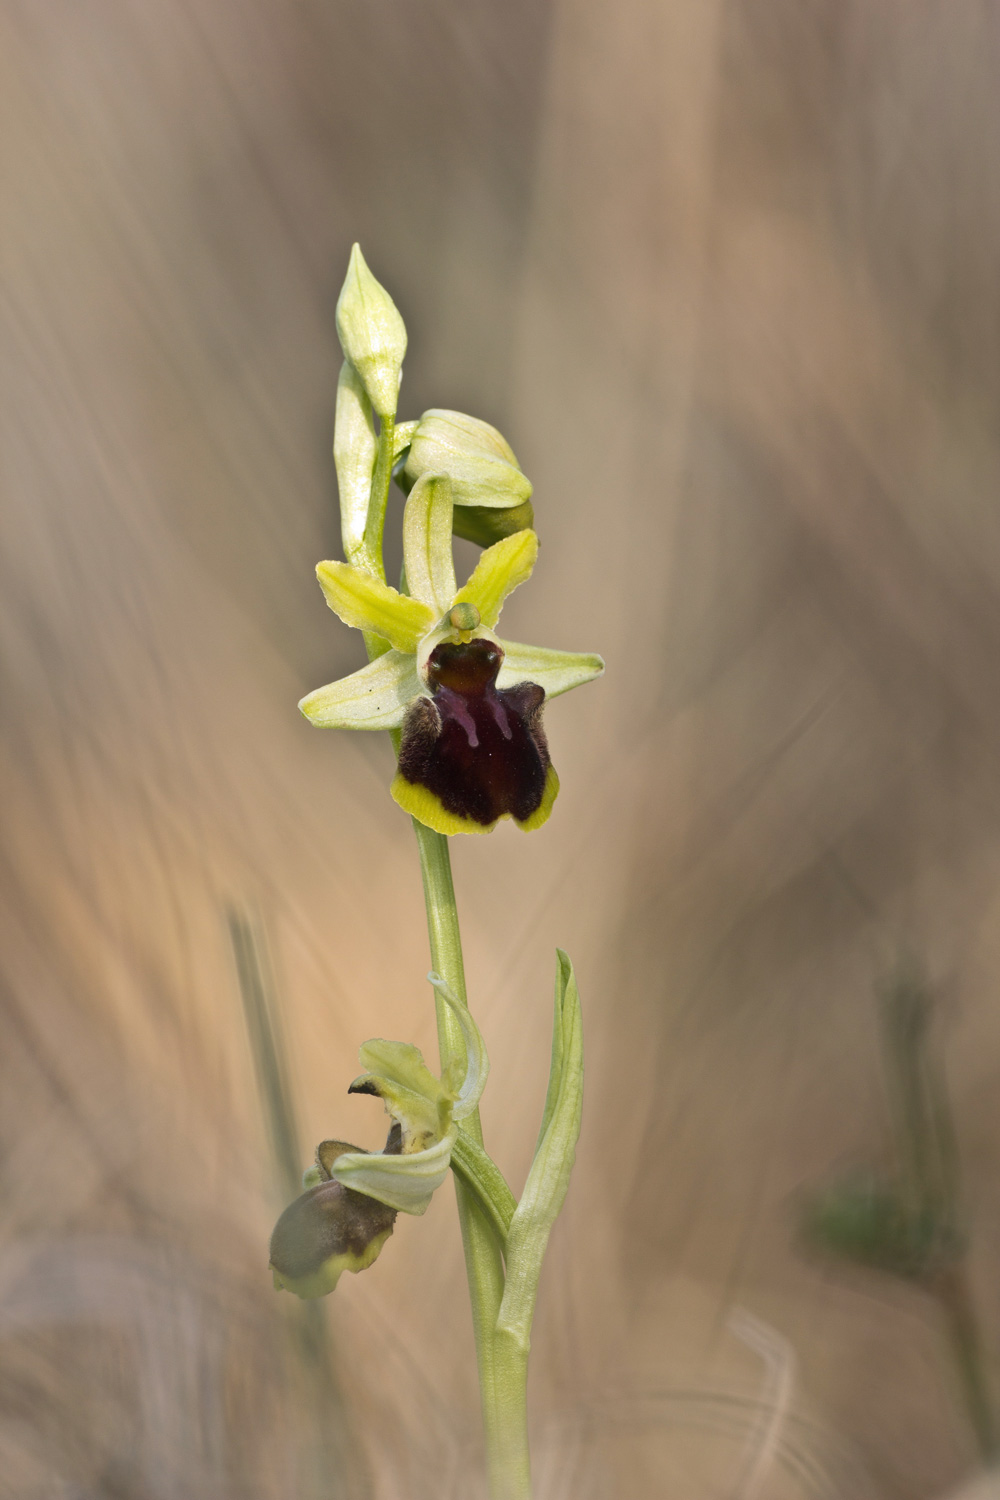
x=375, y=697
x=548, y=1178
x=556, y=671
x=354, y=448
x=406, y=1182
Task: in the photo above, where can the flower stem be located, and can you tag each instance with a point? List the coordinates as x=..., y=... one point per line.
x=381, y=480
x=503, y=1368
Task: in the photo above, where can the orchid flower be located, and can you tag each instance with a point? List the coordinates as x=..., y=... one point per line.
x=468, y=704
x=348, y=1209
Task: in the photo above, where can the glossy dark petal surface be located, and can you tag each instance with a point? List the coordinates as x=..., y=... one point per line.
x=479, y=749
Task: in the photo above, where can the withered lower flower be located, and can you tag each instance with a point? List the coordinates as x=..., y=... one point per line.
x=469, y=704
x=348, y=1209
x=329, y=1229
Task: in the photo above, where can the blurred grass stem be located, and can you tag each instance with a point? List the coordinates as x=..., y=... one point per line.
x=332, y=1449
x=928, y=1160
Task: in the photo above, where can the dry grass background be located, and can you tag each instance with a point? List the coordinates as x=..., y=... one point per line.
x=724, y=271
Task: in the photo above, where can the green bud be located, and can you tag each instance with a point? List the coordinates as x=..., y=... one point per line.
x=479, y=462
x=372, y=334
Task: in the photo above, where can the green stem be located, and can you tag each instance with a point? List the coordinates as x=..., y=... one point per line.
x=381, y=480
x=481, y=1173
x=502, y=1365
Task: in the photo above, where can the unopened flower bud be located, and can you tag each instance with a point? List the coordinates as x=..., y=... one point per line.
x=372, y=334
x=479, y=462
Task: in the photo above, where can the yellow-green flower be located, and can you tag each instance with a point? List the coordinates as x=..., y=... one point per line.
x=469, y=704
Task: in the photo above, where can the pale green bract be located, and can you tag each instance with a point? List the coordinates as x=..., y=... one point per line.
x=377, y=696
x=427, y=1109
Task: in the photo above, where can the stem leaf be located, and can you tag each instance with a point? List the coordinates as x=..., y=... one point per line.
x=548, y=1178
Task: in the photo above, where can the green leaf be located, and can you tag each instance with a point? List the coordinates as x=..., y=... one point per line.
x=548, y=1178
x=427, y=556
x=376, y=697
x=556, y=671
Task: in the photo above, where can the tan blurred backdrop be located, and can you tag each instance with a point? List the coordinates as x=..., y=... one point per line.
x=725, y=274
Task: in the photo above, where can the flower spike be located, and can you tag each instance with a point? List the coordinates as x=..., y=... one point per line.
x=472, y=749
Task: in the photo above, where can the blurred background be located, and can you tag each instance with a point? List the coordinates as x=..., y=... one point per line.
x=724, y=274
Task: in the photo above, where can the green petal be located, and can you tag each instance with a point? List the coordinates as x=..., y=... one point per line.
x=397, y=1073
x=548, y=1179
x=555, y=671
x=376, y=697
x=498, y=573
x=427, y=557
x=403, y=1182
x=421, y=1122
x=369, y=604
x=354, y=448
x=477, y=1064
x=401, y=1063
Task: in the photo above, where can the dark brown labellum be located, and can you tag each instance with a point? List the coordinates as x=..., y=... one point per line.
x=479, y=749
x=329, y=1220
